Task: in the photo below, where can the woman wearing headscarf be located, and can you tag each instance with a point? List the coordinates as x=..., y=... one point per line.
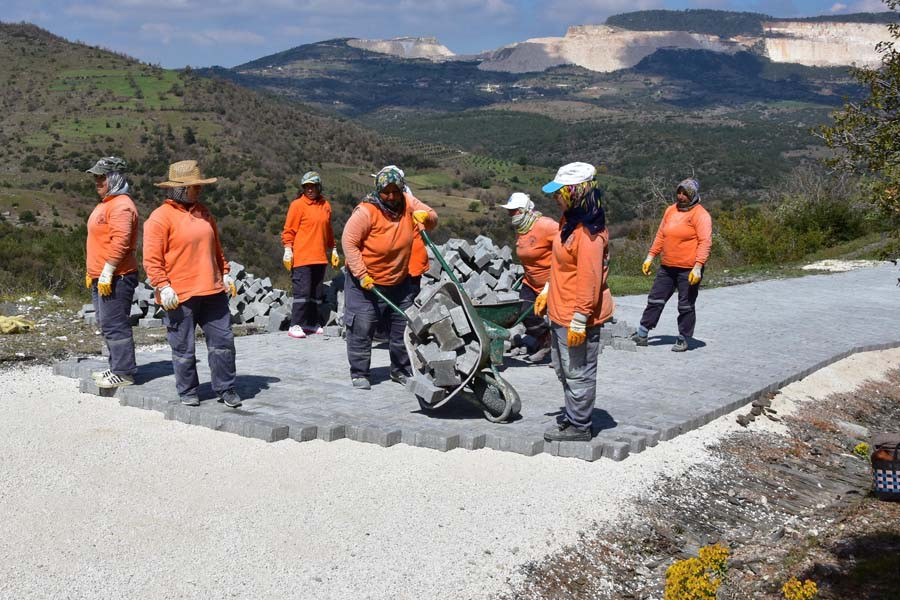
x=112, y=268
x=684, y=238
x=577, y=298
x=534, y=246
x=308, y=240
x=377, y=243
x=184, y=260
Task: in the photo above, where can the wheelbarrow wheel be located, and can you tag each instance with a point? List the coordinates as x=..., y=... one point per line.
x=498, y=399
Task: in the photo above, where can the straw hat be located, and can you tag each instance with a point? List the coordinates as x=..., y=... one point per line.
x=184, y=173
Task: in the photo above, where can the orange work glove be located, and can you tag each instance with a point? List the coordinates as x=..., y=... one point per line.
x=577, y=333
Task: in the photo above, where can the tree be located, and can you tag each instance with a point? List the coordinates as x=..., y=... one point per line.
x=866, y=132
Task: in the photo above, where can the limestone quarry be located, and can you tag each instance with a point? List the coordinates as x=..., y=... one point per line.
x=406, y=47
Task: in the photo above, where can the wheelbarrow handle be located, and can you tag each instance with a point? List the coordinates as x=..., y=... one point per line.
x=437, y=254
x=393, y=306
x=518, y=284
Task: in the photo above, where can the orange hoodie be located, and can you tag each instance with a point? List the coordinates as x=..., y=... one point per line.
x=684, y=238
x=534, y=251
x=112, y=236
x=578, y=275
x=308, y=231
x=182, y=249
x=380, y=247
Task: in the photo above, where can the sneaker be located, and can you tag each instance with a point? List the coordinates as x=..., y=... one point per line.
x=361, y=383
x=230, y=398
x=190, y=400
x=399, y=377
x=566, y=432
x=313, y=330
x=98, y=375
x=638, y=339
x=296, y=332
x=540, y=355
x=681, y=345
x=112, y=381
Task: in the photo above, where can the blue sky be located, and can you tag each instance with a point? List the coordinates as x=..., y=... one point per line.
x=175, y=33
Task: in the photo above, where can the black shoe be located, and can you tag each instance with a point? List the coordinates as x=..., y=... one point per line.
x=681, y=345
x=399, y=377
x=190, y=400
x=566, y=432
x=638, y=339
x=230, y=398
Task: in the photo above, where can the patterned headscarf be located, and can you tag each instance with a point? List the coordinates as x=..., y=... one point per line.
x=583, y=206
x=117, y=184
x=525, y=220
x=179, y=195
x=384, y=178
x=691, y=188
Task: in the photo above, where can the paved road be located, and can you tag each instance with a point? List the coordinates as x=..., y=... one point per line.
x=752, y=339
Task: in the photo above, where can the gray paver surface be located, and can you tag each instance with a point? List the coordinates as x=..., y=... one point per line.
x=752, y=339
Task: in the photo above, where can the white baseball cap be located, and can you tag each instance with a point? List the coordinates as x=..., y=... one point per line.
x=517, y=200
x=570, y=174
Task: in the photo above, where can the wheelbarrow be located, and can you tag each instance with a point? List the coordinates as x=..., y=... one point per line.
x=497, y=398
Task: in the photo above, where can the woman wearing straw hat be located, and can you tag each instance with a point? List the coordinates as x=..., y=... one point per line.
x=377, y=243
x=308, y=240
x=112, y=268
x=577, y=298
x=185, y=263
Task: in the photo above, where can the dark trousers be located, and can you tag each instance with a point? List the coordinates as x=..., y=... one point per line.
x=306, y=283
x=362, y=311
x=669, y=279
x=576, y=369
x=114, y=316
x=535, y=326
x=211, y=314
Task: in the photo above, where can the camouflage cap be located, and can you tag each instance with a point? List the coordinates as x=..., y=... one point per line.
x=108, y=164
x=311, y=177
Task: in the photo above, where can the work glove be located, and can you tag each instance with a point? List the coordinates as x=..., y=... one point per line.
x=288, y=259
x=577, y=333
x=367, y=283
x=230, y=287
x=695, y=275
x=104, y=283
x=168, y=298
x=87, y=281
x=335, y=258
x=419, y=216
x=645, y=266
x=540, y=303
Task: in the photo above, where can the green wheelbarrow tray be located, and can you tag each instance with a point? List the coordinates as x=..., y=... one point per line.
x=498, y=399
x=498, y=318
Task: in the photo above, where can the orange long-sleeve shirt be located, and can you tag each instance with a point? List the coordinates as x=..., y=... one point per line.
x=308, y=231
x=534, y=250
x=684, y=238
x=578, y=273
x=380, y=247
x=182, y=249
x=112, y=232
x=418, y=255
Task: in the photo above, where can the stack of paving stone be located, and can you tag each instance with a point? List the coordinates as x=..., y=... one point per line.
x=486, y=272
x=447, y=348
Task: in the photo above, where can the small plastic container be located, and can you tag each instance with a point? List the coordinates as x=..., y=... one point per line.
x=886, y=471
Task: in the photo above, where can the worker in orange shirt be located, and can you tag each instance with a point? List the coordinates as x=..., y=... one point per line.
x=534, y=245
x=112, y=268
x=577, y=298
x=308, y=240
x=184, y=260
x=377, y=243
x=684, y=238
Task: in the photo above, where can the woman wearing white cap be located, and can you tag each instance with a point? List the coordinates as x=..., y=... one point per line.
x=576, y=298
x=534, y=243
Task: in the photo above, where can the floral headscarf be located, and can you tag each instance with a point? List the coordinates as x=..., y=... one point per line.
x=526, y=218
x=384, y=178
x=583, y=206
x=691, y=188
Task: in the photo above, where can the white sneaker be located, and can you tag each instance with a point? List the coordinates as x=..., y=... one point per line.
x=114, y=381
x=98, y=375
x=314, y=330
x=296, y=332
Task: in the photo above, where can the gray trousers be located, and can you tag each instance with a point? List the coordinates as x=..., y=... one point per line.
x=212, y=315
x=576, y=369
x=362, y=311
x=114, y=317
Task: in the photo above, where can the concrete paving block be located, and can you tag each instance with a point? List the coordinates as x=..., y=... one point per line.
x=266, y=283
x=87, y=386
x=463, y=269
x=472, y=441
x=423, y=388
x=374, y=435
x=505, y=280
x=467, y=361
x=460, y=321
x=330, y=432
x=252, y=427
x=278, y=320
x=527, y=446
x=489, y=280
x=301, y=432
x=615, y=450
x=236, y=270
x=651, y=435
x=180, y=413
x=483, y=256
x=90, y=320
x=507, y=296
x=150, y=322
x=434, y=269
x=444, y=373
x=437, y=440
x=496, y=267
x=445, y=335
x=506, y=253
x=333, y=331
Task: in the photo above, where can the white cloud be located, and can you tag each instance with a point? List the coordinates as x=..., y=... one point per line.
x=837, y=7
x=578, y=12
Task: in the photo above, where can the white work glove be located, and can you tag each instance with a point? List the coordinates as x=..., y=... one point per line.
x=104, y=283
x=168, y=298
x=230, y=287
x=540, y=303
x=577, y=333
x=288, y=259
x=695, y=275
